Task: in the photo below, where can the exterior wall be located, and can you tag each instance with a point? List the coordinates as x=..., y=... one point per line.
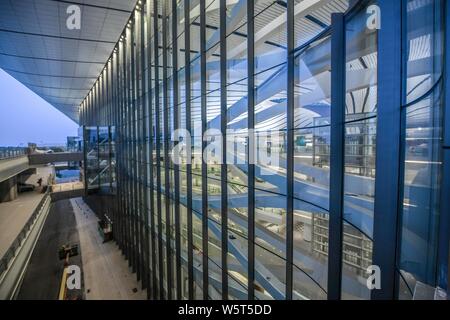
x=357, y=124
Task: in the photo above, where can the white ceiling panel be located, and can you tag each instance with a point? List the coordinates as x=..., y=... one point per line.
x=59, y=64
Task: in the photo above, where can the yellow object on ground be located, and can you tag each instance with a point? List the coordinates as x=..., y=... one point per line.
x=62, y=289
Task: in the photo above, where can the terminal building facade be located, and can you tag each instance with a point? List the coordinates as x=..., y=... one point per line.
x=352, y=97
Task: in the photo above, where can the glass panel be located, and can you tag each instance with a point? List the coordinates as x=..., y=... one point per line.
x=425, y=46
x=423, y=167
x=213, y=152
x=360, y=150
x=92, y=156
x=423, y=143
x=419, y=215
x=215, y=259
x=356, y=257
x=237, y=160
x=270, y=221
x=270, y=272
x=310, y=251
x=404, y=290
x=198, y=255
x=312, y=103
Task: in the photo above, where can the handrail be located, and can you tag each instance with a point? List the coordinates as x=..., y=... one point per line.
x=11, y=252
x=11, y=153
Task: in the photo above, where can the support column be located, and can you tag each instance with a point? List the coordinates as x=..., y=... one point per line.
x=8, y=190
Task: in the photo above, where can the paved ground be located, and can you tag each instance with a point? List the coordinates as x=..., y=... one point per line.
x=14, y=215
x=106, y=275
x=106, y=272
x=43, y=276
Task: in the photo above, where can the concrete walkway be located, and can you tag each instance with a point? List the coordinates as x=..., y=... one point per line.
x=106, y=272
x=14, y=215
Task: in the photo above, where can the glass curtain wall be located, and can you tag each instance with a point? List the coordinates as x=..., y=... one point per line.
x=222, y=115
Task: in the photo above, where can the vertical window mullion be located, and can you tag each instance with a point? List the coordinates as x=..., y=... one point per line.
x=97, y=120
x=223, y=128
x=387, y=183
x=144, y=213
x=91, y=106
x=138, y=133
x=204, y=145
x=121, y=145
x=132, y=155
x=115, y=107
x=134, y=110
x=118, y=145
x=337, y=150
x=444, y=222
x=290, y=149
x=251, y=146
x=187, y=71
x=158, y=151
x=154, y=292
x=109, y=122
x=176, y=166
x=166, y=149
x=127, y=146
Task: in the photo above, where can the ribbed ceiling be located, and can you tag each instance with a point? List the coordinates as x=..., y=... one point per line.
x=59, y=64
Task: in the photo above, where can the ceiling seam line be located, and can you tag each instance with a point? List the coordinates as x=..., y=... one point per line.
x=48, y=59
x=56, y=37
x=92, y=6
x=47, y=75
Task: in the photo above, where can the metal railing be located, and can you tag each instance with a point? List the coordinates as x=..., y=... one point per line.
x=12, y=152
x=17, y=243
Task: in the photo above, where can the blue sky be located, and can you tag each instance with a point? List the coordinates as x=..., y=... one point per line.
x=26, y=117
